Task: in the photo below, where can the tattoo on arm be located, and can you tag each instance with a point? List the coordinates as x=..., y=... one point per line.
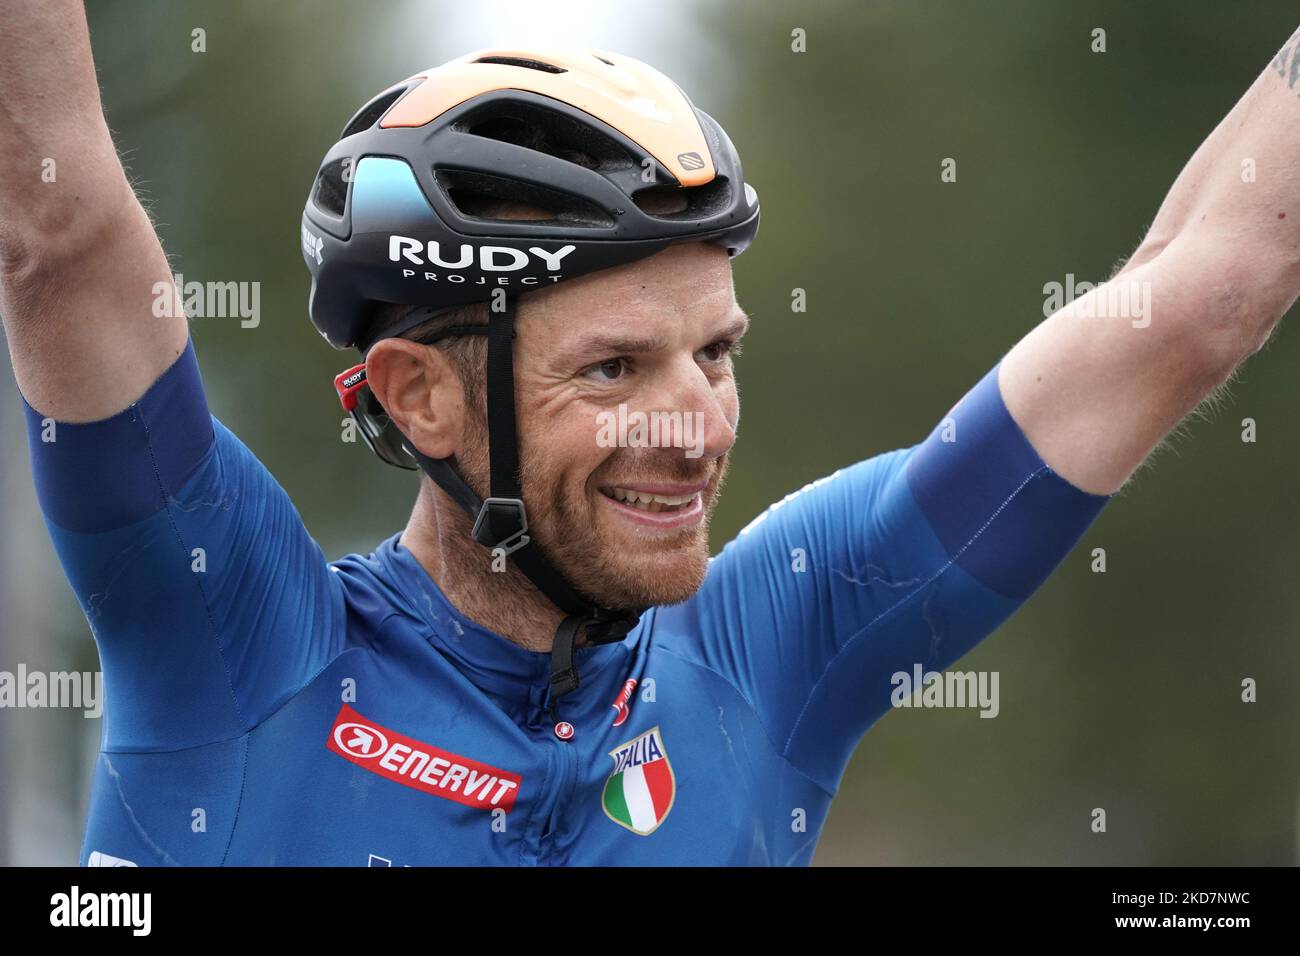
x=1287, y=62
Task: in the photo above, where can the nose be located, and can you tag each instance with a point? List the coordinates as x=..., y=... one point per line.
x=708, y=406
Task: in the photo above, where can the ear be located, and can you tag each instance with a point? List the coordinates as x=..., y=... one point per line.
x=421, y=392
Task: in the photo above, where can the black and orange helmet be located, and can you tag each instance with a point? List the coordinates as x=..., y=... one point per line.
x=594, y=140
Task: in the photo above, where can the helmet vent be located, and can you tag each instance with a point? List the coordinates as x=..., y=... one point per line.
x=672, y=203
x=547, y=131
x=483, y=196
x=521, y=62
x=331, y=192
x=369, y=114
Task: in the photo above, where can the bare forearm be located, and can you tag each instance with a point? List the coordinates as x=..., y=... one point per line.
x=1097, y=386
x=80, y=266
x=1241, y=188
x=61, y=172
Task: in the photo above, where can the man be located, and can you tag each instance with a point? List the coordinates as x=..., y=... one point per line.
x=545, y=667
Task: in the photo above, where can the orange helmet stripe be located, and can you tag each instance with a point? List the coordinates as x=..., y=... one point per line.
x=635, y=99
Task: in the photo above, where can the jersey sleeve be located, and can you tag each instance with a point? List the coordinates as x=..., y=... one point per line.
x=906, y=559
x=208, y=600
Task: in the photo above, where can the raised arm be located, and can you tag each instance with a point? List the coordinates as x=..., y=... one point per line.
x=209, y=602
x=1097, y=386
x=79, y=260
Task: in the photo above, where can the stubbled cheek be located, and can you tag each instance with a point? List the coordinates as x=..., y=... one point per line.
x=586, y=453
x=730, y=404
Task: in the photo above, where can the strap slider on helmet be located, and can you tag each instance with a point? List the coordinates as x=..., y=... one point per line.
x=498, y=513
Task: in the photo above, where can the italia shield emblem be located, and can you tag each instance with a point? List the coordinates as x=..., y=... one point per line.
x=640, y=791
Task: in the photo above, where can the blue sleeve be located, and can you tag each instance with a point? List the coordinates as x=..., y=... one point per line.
x=208, y=600
x=909, y=558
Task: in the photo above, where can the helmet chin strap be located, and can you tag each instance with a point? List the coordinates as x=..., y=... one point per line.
x=501, y=522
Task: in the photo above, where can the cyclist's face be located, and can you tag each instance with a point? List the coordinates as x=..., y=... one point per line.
x=627, y=410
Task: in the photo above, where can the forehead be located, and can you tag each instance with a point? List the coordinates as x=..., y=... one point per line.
x=687, y=280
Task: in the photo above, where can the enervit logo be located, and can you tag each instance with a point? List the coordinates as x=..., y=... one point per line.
x=421, y=766
x=490, y=258
x=360, y=740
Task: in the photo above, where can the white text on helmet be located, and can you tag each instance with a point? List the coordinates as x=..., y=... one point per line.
x=490, y=258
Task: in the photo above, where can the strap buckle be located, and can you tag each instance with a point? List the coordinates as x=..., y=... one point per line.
x=509, y=509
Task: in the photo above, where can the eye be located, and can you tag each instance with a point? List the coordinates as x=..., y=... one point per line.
x=720, y=351
x=610, y=370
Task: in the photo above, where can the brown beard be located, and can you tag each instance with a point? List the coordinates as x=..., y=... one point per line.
x=561, y=522
x=667, y=572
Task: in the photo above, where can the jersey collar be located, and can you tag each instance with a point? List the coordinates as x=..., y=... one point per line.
x=490, y=661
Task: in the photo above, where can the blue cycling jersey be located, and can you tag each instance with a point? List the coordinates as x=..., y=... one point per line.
x=265, y=706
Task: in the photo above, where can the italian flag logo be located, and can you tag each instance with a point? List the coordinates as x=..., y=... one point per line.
x=640, y=791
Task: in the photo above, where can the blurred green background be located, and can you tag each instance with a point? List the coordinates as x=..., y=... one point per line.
x=1119, y=690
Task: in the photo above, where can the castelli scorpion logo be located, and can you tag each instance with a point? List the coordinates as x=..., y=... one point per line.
x=621, y=709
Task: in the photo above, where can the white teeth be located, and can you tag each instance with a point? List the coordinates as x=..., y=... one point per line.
x=641, y=499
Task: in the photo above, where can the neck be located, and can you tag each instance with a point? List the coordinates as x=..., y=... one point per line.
x=505, y=602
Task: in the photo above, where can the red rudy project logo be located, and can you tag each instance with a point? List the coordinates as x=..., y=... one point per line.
x=421, y=766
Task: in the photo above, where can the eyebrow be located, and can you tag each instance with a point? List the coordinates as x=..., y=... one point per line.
x=625, y=345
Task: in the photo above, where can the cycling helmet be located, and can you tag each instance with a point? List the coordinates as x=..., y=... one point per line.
x=397, y=215
x=585, y=136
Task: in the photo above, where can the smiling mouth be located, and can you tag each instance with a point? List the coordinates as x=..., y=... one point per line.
x=645, y=501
